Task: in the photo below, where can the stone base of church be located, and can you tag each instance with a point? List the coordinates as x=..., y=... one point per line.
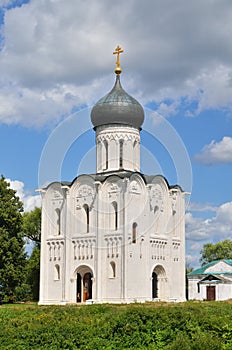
x=111, y=301
x=53, y=302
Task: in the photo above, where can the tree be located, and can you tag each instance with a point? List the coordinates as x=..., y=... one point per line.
x=33, y=272
x=31, y=228
x=218, y=251
x=32, y=225
x=12, y=255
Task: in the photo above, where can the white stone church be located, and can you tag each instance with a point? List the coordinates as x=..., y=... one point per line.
x=116, y=236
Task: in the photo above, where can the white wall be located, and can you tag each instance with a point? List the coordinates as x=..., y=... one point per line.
x=158, y=246
x=223, y=291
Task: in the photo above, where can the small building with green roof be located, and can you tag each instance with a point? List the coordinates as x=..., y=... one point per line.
x=212, y=281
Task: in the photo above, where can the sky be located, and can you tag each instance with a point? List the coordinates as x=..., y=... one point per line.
x=56, y=61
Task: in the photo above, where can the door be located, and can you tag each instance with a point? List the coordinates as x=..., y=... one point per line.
x=87, y=286
x=210, y=293
x=154, y=285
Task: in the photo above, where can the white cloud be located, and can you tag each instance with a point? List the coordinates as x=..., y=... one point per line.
x=29, y=201
x=54, y=53
x=4, y=3
x=192, y=260
x=167, y=110
x=195, y=228
x=216, y=152
x=216, y=228
x=211, y=230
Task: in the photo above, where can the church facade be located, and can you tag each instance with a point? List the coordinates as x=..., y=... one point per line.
x=117, y=235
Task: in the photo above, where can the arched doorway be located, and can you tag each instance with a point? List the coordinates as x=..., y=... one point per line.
x=84, y=284
x=154, y=285
x=159, y=283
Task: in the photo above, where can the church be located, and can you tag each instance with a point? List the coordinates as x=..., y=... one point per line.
x=116, y=236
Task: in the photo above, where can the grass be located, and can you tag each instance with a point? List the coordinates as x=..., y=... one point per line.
x=190, y=325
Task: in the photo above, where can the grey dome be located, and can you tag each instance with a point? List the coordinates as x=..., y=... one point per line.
x=117, y=107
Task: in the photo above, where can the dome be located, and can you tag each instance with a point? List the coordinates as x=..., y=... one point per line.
x=117, y=107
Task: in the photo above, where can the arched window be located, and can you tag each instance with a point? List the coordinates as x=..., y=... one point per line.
x=134, y=154
x=86, y=208
x=115, y=222
x=134, y=232
x=112, y=272
x=58, y=220
x=106, y=154
x=57, y=273
x=121, y=154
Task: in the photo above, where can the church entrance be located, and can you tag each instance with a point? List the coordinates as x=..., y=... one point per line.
x=84, y=284
x=154, y=285
x=159, y=282
x=210, y=293
x=87, y=283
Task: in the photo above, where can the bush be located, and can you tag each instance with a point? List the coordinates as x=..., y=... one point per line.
x=185, y=326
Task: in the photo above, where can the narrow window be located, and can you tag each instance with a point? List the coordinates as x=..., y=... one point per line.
x=112, y=270
x=86, y=208
x=198, y=287
x=134, y=232
x=115, y=206
x=58, y=220
x=135, y=155
x=107, y=154
x=57, y=273
x=121, y=154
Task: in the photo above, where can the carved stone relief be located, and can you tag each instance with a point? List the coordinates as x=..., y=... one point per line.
x=176, y=251
x=83, y=249
x=113, y=245
x=127, y=136
x=174, y=203
x=158, y=249
x=113, y=189
x=55, y=249
x=134, y=187
x=85, y=195
x=156, y=199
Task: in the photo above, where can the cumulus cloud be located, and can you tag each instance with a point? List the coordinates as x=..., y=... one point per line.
x=57, y=56
x=29, y=201
x=216, y=152
x=210, y=230
x=168, y=109
x=218, y=227
x=195, y=228
x=4, y=3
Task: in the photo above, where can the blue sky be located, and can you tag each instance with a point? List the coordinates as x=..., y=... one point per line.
x=56, y=61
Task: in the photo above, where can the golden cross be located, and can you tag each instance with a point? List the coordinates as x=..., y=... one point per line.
x=117, y=52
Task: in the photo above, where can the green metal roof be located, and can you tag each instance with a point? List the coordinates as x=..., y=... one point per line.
x=201, y=270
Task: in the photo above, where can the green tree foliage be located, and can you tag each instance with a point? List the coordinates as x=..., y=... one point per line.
x=12, y=256
x=33, y=270
x=31, y=228
x=32, y=225
x=218, y=251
